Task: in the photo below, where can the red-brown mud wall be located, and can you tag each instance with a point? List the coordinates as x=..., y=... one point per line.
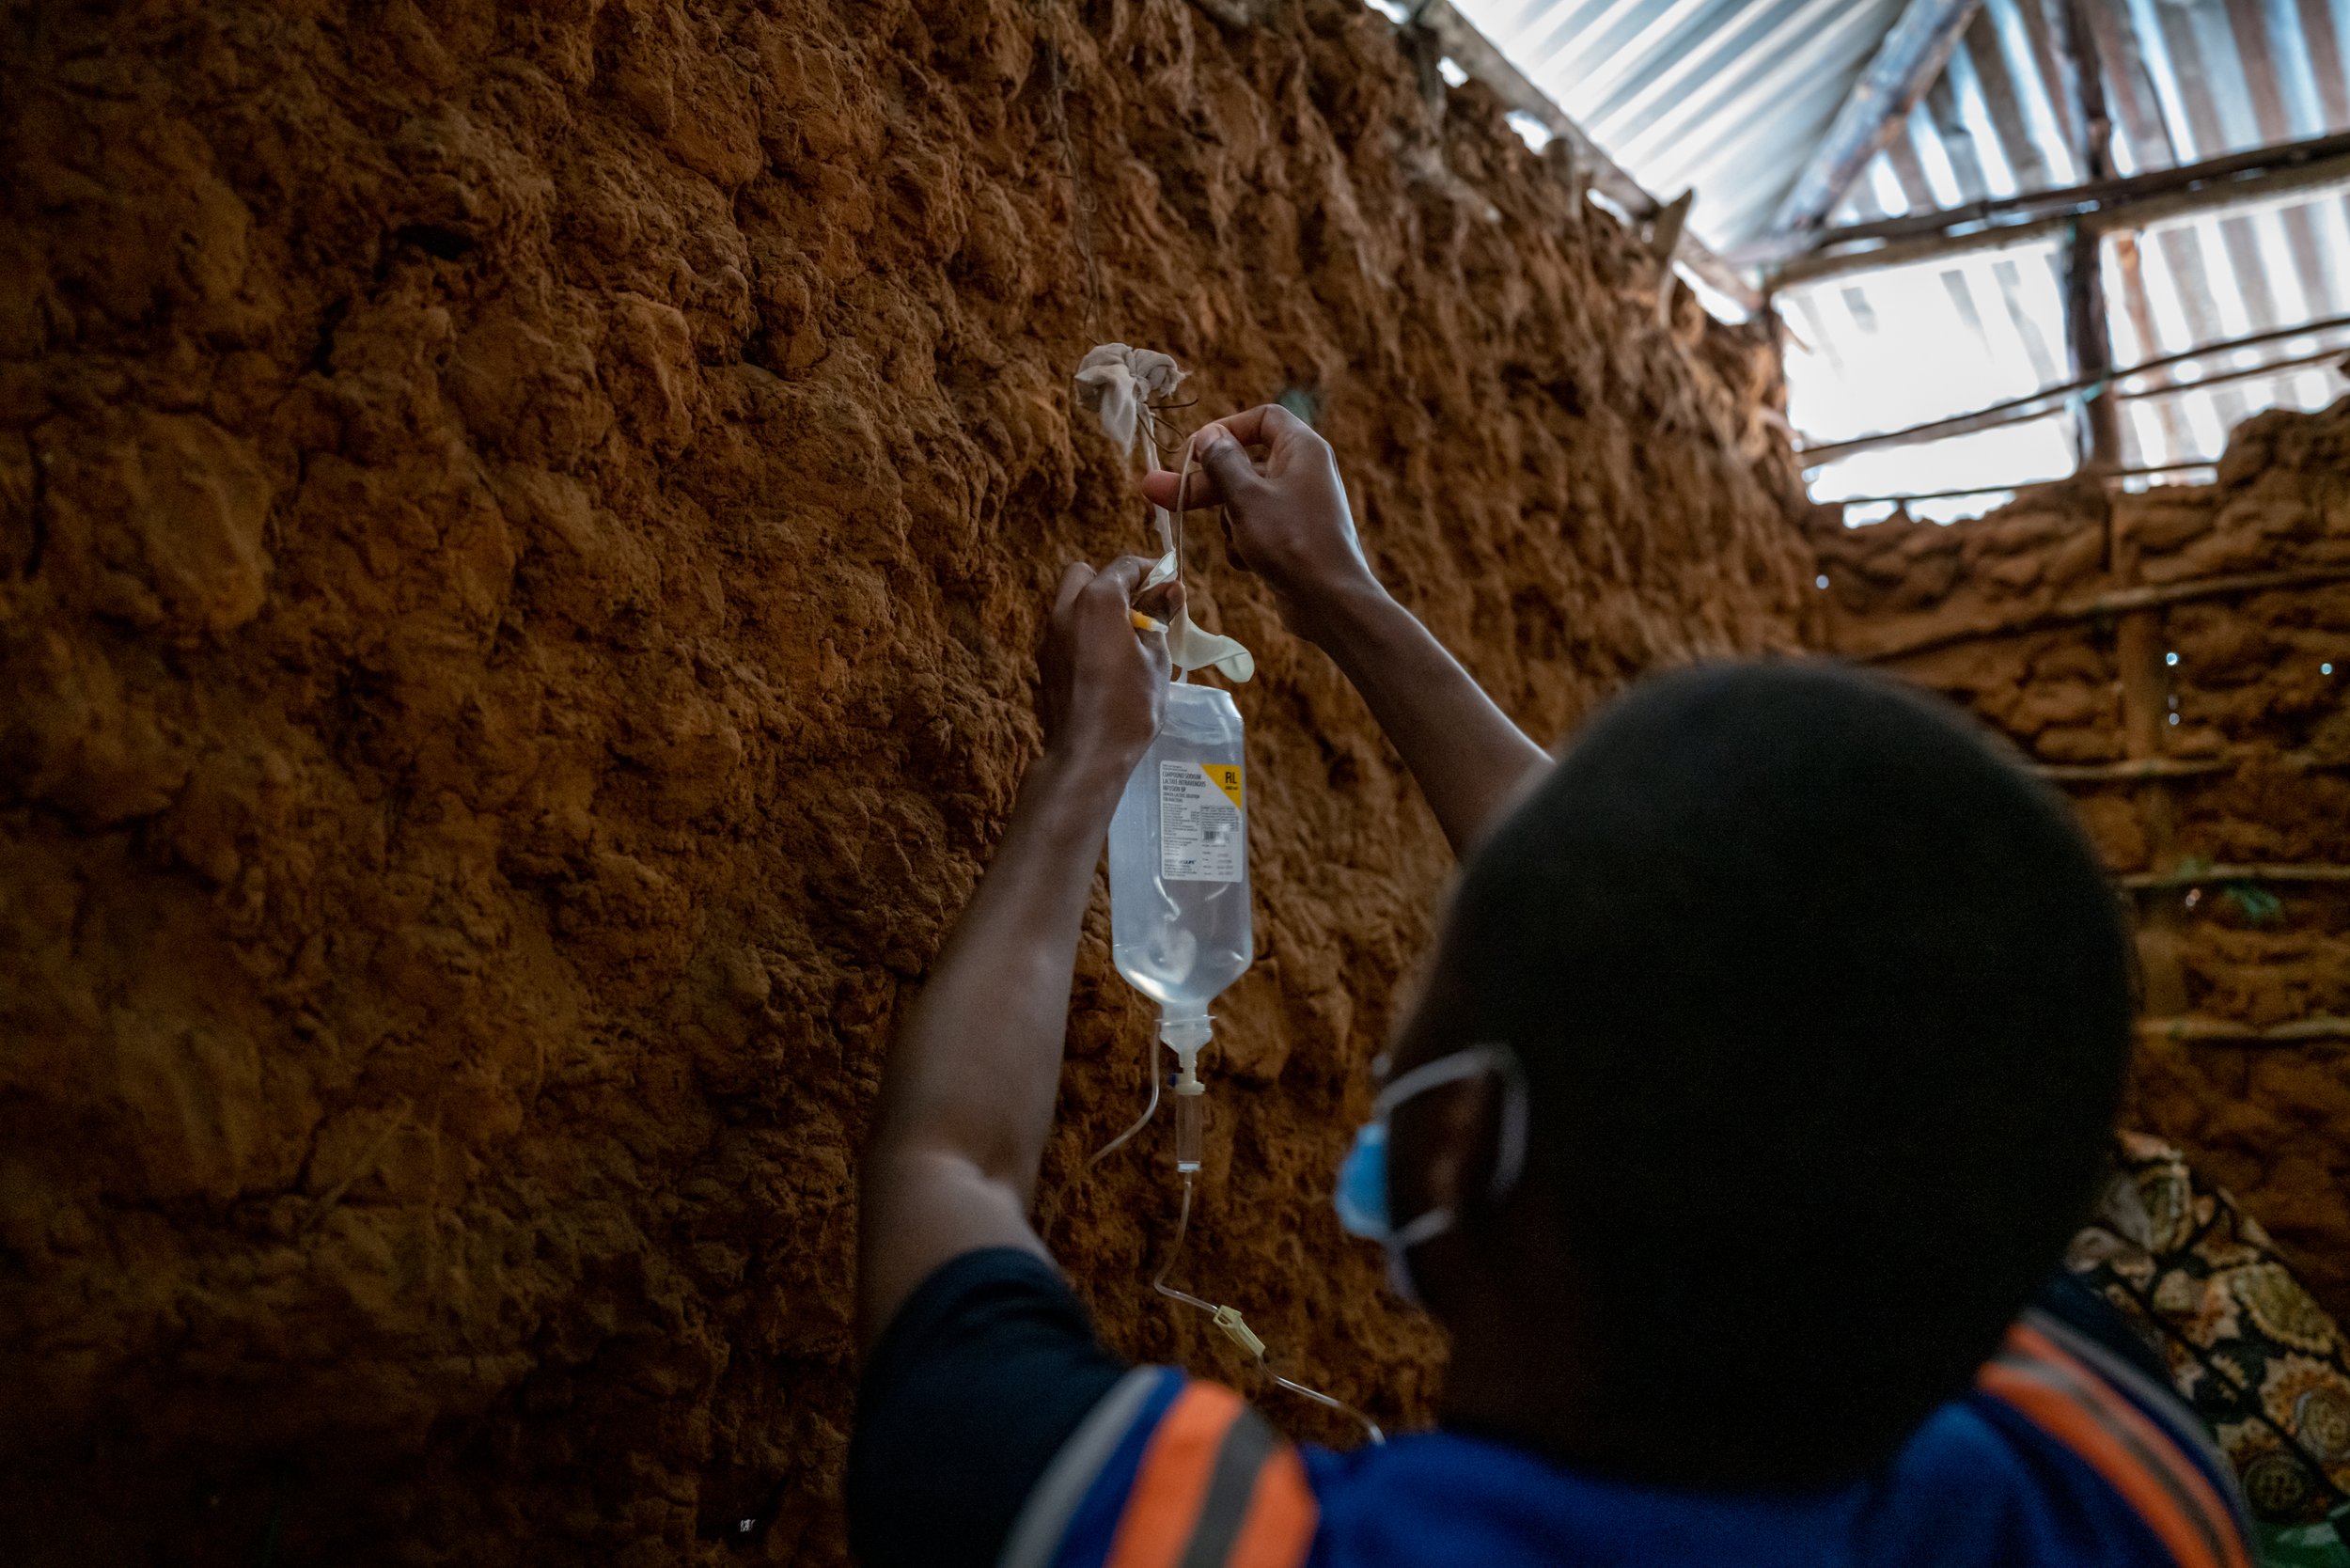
x=522, y=536
x=2056, y=618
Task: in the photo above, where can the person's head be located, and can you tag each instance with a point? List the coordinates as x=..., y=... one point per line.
x=1822, y=1005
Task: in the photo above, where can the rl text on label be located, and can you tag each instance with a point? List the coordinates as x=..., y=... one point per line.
x=1199, y=821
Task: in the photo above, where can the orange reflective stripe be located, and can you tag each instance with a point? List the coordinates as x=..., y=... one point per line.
x=1173, y=1479
x=2182, y=1474
x=2061, y=1416
x=1281, y=1516
x=2113, y=1437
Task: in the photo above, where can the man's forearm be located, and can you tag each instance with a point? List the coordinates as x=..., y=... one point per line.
x=979, y=1061
x=968, y=1093
x=1469, y=759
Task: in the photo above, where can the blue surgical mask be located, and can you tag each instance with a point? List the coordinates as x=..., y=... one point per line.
x=1361, y=1197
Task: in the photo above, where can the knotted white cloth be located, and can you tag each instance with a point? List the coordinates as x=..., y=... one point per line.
x=1115, y=384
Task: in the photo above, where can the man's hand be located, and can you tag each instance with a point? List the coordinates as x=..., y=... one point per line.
x=1290, y=521
x=1104, y=679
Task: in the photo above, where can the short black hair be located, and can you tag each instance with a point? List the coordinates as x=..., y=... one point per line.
x=1824, y=1004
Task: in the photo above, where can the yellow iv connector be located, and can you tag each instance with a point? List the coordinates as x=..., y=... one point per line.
x=1235, y=1328
x=1191, y=1106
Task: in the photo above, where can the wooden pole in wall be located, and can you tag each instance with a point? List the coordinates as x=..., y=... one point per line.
x=2145, y=676
x=2145, y=704
x=2085, y=292
x=2141, y=314
x=2145, y=680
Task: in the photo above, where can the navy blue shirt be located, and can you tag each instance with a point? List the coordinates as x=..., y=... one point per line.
x=994, y=1428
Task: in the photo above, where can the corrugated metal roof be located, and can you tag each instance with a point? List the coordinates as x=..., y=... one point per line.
x=1733, y=96
x=1727, y=96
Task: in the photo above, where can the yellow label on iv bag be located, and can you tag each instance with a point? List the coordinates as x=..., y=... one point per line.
x=1201, y=821
x=1227, y=779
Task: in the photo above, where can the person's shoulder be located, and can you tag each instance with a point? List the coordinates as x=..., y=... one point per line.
x=974, y=1387
x=1168, y=1468
x=2097, y=1435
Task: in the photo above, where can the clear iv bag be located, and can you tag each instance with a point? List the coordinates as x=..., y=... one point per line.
x=1179, y=865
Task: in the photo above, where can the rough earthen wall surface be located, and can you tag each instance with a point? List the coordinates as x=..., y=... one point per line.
x=521, y=535
x=2254, y=772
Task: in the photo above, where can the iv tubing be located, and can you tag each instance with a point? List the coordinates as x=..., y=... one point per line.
x=1189, y=1110
x=1148, y=1110
x=1227, y=1320
x=1145, y=624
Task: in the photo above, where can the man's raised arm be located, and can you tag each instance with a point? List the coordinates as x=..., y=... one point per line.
x=968, y=1095
x=1291, y=526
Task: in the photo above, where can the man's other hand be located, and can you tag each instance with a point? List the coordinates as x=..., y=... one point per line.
x=1106, y=679
x=1289, y=518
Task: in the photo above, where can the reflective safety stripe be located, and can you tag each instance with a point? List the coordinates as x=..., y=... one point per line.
x=1278, y=1529
x=2209, y=1511
x=1231, y=1489
x=2133, y=1455
x=1036, y=1534
x=1217, y=1488
x=2153, y=1399
x=1173, y=1481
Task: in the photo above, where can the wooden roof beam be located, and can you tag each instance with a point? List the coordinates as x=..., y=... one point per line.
x=1906, y=64
x=2262, y=174
x=1475, y=54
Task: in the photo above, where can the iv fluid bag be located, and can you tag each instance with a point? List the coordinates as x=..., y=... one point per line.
x=1179, y=858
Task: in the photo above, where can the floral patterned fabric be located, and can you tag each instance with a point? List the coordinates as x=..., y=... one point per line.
x=2262, y=1363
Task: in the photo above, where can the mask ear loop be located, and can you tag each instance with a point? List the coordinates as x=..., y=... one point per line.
x=1467, y=1062
x=1230, y=1323
x=1493, y=1057
x=1509, y=1150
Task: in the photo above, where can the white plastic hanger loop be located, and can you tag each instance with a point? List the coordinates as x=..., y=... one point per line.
x=1116, y=383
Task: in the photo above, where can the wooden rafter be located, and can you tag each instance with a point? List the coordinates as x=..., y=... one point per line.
x=2035, y=405
x=1474, y=54
x=1906, y=64
x=2226, y=1032
x=2120, y=601
x=2133, y=770
x=2205, y=876
x=2261, y=174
